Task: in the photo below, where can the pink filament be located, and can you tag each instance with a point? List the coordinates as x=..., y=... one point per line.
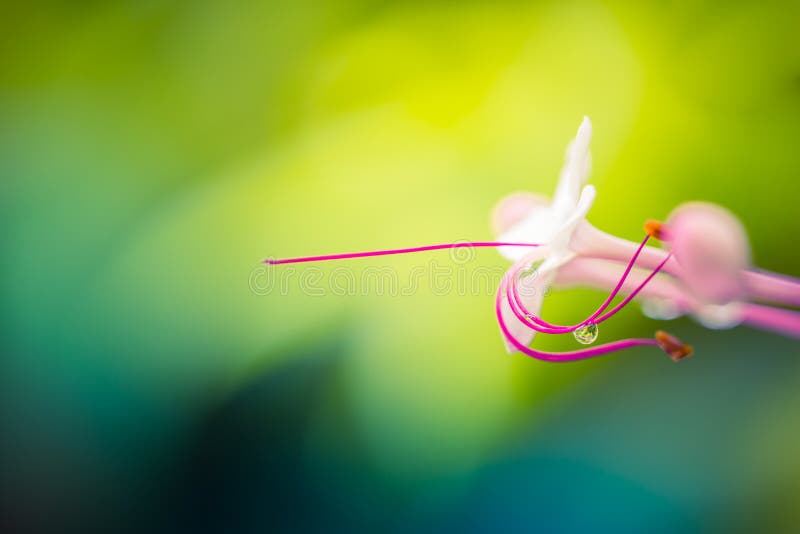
x=515, y=302
x=781, y=289
x=398, y=251
x=635, y=292
x=569, y=356
x=540, y=325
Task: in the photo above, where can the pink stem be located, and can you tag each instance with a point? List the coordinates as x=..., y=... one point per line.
x=785, y=322
x=773, y=287
x=568, y=356
x=398, y=251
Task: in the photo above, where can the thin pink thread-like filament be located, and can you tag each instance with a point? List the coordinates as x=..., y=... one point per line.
x=327, y=257
x=569, y=356
x=762, y=285
x=541, y=325
x=531, y=321
x=635, y=292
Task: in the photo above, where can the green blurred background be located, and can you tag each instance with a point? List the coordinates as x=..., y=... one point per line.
x=151, y=153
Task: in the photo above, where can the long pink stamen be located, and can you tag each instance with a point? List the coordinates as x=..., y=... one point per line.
x=569, y=356
x=538, y=324
x=635, y=292
x=471, y=244
x=534, y=323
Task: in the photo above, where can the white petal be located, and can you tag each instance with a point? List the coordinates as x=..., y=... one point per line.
x=538, y=227
x=585, y=202
x=514, y=208
x=575, y=171
x=560, y=241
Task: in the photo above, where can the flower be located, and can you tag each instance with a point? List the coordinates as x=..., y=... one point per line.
x=528, y=218
x=705, y=270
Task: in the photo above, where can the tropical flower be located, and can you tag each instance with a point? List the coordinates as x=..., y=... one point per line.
x=560, y=228
x=704, y=271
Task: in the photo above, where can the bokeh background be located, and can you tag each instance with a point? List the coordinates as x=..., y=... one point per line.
x=152, y=153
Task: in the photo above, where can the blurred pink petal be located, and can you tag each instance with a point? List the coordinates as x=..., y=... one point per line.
x=712, y=247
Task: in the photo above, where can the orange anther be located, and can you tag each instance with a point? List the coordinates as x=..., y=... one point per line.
x=656, y=229
x=674, y=347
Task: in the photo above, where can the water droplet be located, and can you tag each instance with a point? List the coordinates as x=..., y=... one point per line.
x=587, y=334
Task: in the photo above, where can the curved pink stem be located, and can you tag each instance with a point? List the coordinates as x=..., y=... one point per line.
x=543, y=326
x=529, y=320
x=568, y=356
x=388, y=252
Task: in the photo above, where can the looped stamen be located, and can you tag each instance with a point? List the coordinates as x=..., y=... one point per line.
x=569, y=356
x=672, y=346
x=540, y=325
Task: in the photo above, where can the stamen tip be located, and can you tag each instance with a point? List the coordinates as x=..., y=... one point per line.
x=672, y=346
x=656, y=230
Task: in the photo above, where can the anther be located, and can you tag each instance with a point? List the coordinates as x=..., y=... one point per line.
x=657, y=230
x=674, y=347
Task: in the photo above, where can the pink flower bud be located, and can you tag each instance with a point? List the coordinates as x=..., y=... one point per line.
x=712, y=249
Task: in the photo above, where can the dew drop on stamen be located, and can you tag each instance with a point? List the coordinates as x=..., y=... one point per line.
x=587, y=334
